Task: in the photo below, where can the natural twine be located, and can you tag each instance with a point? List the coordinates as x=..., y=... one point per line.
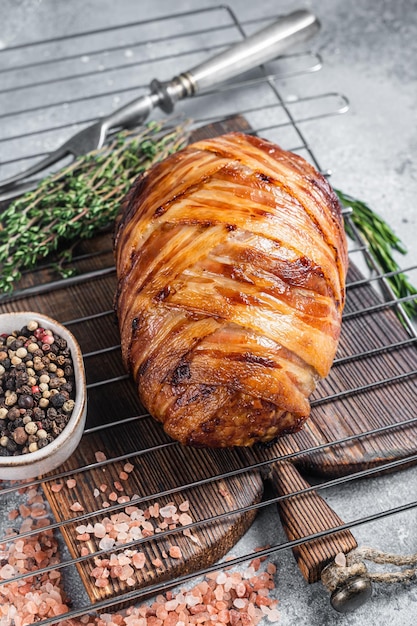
x=347, y=566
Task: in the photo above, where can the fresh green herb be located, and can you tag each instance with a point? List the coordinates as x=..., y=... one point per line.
x=382, y=242
x=80, y=200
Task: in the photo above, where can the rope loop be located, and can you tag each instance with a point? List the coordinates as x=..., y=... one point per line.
x=346, y=566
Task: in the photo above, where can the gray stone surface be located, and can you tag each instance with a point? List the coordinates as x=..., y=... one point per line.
x=369, y=52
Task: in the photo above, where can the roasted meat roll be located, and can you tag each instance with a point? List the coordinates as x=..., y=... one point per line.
x=231, y=260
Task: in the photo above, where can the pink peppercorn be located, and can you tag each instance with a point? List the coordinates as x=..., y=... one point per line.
x=49, y=339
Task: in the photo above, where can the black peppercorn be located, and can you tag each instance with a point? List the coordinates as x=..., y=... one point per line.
x=11, y=446
x=57, y=400
x=38, y=414
x=25, y=401
x=60, y=342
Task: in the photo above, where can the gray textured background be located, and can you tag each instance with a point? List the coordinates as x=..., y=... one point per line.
x=369, y=50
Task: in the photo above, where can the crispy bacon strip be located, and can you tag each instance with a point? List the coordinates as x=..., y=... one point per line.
x=231, y=260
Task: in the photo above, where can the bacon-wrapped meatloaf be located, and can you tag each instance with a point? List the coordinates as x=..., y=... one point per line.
x=231, y=261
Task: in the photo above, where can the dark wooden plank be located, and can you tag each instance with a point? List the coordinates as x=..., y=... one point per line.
x=307, y=514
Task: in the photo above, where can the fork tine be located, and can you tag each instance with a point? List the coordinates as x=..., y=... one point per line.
x=50, y=159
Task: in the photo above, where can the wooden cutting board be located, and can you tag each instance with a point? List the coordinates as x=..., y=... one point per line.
x=160, y=465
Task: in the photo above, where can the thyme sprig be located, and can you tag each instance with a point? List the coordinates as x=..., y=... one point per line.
x=382, y=242
x=80, y=200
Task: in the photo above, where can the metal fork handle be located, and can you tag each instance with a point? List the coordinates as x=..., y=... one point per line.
x=259, y=48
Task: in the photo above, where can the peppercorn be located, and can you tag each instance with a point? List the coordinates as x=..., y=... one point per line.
x=52, y=413
x=60, y=342
x=13, y=413
x=67, y=387
x=11, y=446
x=25, y=401
x=31, y=428
x=20, y=436
x=38, y=414
x=57, y=400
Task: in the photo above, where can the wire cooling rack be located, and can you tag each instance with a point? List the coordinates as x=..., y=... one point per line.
x=52, y=88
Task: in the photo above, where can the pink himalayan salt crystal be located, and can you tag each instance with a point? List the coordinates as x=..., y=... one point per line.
x=185, y=519
x=106, y=543
x=7, y=571
x=138, y=560
x=99, y=530
x=123, y=558
x=100, y=456
x=76, y=507
x=71, y=483
x=167, y=511
x=175, y=552
x=127, y=572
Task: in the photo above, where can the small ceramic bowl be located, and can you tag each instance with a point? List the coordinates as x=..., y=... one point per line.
x=46, y=459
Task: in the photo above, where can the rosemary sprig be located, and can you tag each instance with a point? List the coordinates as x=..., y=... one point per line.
x=382, y=242
x=80, y=200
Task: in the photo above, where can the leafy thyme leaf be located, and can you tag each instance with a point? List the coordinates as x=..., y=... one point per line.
x=80, y=200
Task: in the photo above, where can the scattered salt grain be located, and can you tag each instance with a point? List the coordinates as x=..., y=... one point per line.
x=100, y=456
x=107, y=543
x=7, y=571
x=175, y=552
x=167, y=511
x=185, y=519
x=76, y=507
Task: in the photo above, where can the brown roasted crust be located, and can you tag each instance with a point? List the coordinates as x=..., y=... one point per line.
x=231, y=260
